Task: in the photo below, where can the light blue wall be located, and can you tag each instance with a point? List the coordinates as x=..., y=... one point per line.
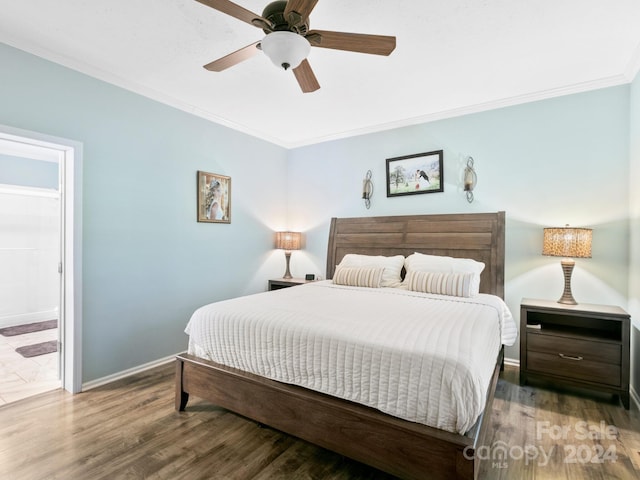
x=147, y=263
x=546, y=163
x=28, y=172
x=634, y=191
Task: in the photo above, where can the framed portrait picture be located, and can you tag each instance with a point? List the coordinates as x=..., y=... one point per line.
x=214, y=198
x=413, y=174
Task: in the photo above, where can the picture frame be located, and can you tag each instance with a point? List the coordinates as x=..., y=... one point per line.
x=214, y=197
x=415, y=174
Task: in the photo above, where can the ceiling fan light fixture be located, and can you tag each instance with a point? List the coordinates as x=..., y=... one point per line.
x=285, y=49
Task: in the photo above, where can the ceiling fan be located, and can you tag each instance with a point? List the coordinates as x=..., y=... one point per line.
x=288, y=39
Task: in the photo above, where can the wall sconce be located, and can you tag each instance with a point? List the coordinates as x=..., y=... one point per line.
x=470, y=179
x=288, y=241
x=569, y=243
x=367, y=189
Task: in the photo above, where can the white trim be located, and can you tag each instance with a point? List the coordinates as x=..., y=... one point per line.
x=634, y=396
x=512, y=362
x=131, y=86
x=69, y=154
x=163, y=361
x=19, y=147
x=127, y=373
x=470, y=109
x=28, y=191
x=31, y=317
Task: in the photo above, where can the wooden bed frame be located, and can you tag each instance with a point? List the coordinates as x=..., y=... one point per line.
x=405, y=449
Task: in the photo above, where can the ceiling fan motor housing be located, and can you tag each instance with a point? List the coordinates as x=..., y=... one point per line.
x=274, y=12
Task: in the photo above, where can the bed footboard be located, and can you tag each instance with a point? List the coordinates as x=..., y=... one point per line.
x=399, y=447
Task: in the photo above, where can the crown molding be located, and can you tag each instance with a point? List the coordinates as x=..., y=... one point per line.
x=92, y=71
x=112, y=79
x=582, y=87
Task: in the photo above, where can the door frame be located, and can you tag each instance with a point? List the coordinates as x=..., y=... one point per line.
x=69, y=154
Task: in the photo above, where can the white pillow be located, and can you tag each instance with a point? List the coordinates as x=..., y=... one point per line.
x=358, y=276
x=437, y=263
x=391, y=277
x=420, y=262
x=456, y=284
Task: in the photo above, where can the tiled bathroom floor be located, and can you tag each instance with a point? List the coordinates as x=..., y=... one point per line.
x=22, y=377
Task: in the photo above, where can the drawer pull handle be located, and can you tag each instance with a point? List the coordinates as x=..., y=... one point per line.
x=570, y=357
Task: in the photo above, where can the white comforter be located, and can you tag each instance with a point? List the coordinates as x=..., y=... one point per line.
x=424, y=358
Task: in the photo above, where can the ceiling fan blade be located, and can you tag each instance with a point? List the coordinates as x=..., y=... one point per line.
x=230, y=8
x=352, y=42
x=297, y=11
x=233, y=58
x=305, y=77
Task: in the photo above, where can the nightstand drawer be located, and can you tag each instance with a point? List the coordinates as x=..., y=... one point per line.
x=591, y=351
x=583, y=369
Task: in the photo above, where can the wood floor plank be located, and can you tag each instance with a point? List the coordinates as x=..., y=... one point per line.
x=130, y=430
x=540, y=418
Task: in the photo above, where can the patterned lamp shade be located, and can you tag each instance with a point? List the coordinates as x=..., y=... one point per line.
x=288, y=240
x=567, y=242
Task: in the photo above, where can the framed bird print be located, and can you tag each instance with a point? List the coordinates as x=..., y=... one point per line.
x=214, y=198
x=413, y=174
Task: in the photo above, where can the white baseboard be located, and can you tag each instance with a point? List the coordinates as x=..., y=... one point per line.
x=512, y=362
x=635, y=397
x=163, y=361
x=32, y=317
x=127, y=373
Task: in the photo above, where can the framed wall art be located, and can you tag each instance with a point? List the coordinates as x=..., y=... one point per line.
x=214, y=198
x=413, y=174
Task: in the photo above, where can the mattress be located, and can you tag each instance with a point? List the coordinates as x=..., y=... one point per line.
x=420, y=357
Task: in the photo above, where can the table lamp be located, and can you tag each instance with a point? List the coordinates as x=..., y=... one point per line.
x=569, y=243
x=288, y=241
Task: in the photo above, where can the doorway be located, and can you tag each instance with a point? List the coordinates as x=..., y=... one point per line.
x=29, y=280
x=25, y=146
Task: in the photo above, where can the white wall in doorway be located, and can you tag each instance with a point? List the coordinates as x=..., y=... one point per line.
x=29, y=255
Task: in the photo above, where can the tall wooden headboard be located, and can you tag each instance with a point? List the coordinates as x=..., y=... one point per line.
x=479, y=236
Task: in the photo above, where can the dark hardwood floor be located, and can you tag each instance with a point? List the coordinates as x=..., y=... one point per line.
x=129, y=430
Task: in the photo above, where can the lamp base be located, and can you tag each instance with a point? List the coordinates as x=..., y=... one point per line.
x=287, y=273
x=567, y=296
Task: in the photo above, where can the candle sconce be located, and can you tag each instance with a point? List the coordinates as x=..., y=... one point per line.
x=367, y=189
x=470, y=179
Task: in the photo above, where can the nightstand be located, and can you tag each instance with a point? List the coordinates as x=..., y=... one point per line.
x=279, y=283
x=579, y=345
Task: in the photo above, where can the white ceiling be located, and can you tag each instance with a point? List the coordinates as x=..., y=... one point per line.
x=452, y=57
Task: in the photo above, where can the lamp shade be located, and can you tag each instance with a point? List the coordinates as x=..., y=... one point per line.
x=285, y=49
x=288, y=240
x=567, y=242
